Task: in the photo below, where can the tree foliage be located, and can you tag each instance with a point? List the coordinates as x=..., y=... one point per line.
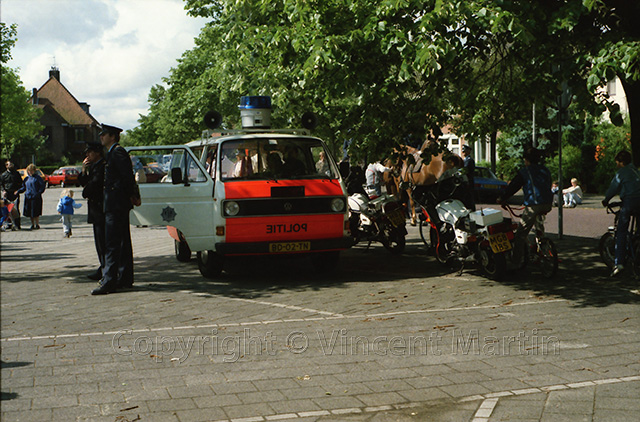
x=20, y=126
x=383, y=72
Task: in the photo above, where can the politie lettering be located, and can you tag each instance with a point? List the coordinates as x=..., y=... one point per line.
x=286, y=228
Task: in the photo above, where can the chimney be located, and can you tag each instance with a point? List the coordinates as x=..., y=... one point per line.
x=85, y=107
x=55, y=73
x=34, y=97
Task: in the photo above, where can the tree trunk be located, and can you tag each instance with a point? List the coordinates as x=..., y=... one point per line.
x=632, y=91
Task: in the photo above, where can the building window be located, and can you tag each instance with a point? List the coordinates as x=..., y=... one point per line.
x=80, y=135
x=48, y=138
x=611, y=87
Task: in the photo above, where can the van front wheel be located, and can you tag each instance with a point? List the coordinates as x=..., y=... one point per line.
x=209, y=264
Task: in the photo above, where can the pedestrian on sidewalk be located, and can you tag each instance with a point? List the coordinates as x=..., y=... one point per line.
x=66, y=206
x=572, y=195
x=92, y=179
x=34, y=188
x=625, y=183
x=120, y=195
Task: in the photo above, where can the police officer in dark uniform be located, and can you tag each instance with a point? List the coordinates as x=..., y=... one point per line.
x=120, y=196
x=12, y=186
x=470, y=167
x=92, y=178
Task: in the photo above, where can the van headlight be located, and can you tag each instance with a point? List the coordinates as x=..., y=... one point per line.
x=231, y=208
x=337, y=204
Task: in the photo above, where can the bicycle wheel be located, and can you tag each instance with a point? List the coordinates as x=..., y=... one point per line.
x=548, y=257
x=607, y=248
x=425, y=233
x=635, y=258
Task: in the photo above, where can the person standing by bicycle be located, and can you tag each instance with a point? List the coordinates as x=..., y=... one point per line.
x=535, y=180
x=625, y=183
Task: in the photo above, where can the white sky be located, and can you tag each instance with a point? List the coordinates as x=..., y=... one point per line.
x=109, y=52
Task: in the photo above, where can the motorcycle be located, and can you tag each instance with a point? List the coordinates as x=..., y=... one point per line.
x=459, y=235
x=377, y=220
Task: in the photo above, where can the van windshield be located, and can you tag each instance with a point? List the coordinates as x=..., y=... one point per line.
x=276, y=158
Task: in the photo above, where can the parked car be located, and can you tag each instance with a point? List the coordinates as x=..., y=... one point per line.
x=64, y=176
x=23, y=174
x=487, y=185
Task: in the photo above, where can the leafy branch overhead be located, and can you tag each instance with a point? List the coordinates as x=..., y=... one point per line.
x=383, y=73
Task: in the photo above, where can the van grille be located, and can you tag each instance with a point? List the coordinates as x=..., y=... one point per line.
x=285, y=206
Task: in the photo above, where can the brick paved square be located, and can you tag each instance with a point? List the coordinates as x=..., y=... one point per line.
x=81, y=375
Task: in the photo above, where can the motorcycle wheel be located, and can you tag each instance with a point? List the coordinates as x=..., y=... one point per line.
x=393, y=240
x=492, y=265
x=183, y=252
x=443, y=244
x=607, y=248
x=209, y=264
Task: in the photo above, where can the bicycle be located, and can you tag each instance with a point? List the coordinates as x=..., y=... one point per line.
x=607, y=245
x=545, y=254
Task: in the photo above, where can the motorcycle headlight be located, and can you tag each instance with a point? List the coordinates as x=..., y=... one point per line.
x=231, y=208
x=337, y=204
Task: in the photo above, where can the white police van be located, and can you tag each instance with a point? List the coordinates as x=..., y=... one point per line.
x=254, y=191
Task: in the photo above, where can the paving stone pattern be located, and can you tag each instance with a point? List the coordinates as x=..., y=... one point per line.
x=384, y=338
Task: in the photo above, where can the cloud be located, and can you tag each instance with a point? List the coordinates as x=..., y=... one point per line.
x=40, y=21
x=109, y=52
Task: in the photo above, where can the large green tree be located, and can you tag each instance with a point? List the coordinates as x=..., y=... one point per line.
x=20, y=126
x=383, y=72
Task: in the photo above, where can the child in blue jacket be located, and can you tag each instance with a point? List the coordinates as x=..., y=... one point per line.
x=65, y=208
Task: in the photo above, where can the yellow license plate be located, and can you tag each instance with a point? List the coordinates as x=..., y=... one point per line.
x=284, y=247
x=499, y=242
x=396, y=217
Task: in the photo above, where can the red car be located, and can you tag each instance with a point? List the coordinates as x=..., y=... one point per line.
x=64, y=176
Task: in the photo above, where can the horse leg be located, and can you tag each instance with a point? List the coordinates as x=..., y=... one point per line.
x=412, y=207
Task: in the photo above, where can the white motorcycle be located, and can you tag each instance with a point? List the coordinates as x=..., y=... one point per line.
x=459, y=235
x=377, y=220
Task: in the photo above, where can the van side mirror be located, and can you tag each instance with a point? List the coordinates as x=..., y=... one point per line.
x=176, y=175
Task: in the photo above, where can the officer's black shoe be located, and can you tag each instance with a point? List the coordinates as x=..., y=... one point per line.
x=96, y=275
x=103, y=290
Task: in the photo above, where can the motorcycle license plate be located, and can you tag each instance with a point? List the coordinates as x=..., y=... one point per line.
x=284, y=247
x=396, y=217
x=499, y=242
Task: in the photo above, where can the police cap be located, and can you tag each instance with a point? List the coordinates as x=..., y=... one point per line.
x=94, y=147
x=107, y=129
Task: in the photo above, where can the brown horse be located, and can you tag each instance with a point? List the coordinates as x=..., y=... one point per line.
x=427, y=172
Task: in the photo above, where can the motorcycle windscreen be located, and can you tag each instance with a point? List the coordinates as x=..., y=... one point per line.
x=176, y=190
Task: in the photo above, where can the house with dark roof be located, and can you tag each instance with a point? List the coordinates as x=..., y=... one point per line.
x=68, y=125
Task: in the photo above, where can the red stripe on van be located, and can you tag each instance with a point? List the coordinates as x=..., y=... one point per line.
x=284, y=228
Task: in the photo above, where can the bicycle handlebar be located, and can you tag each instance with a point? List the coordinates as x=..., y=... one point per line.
x=612, y=205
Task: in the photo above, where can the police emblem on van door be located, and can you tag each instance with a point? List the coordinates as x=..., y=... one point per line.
x=288, y=206
x=168, y=214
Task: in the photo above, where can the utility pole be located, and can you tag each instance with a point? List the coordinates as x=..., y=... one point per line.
x=563, y=100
